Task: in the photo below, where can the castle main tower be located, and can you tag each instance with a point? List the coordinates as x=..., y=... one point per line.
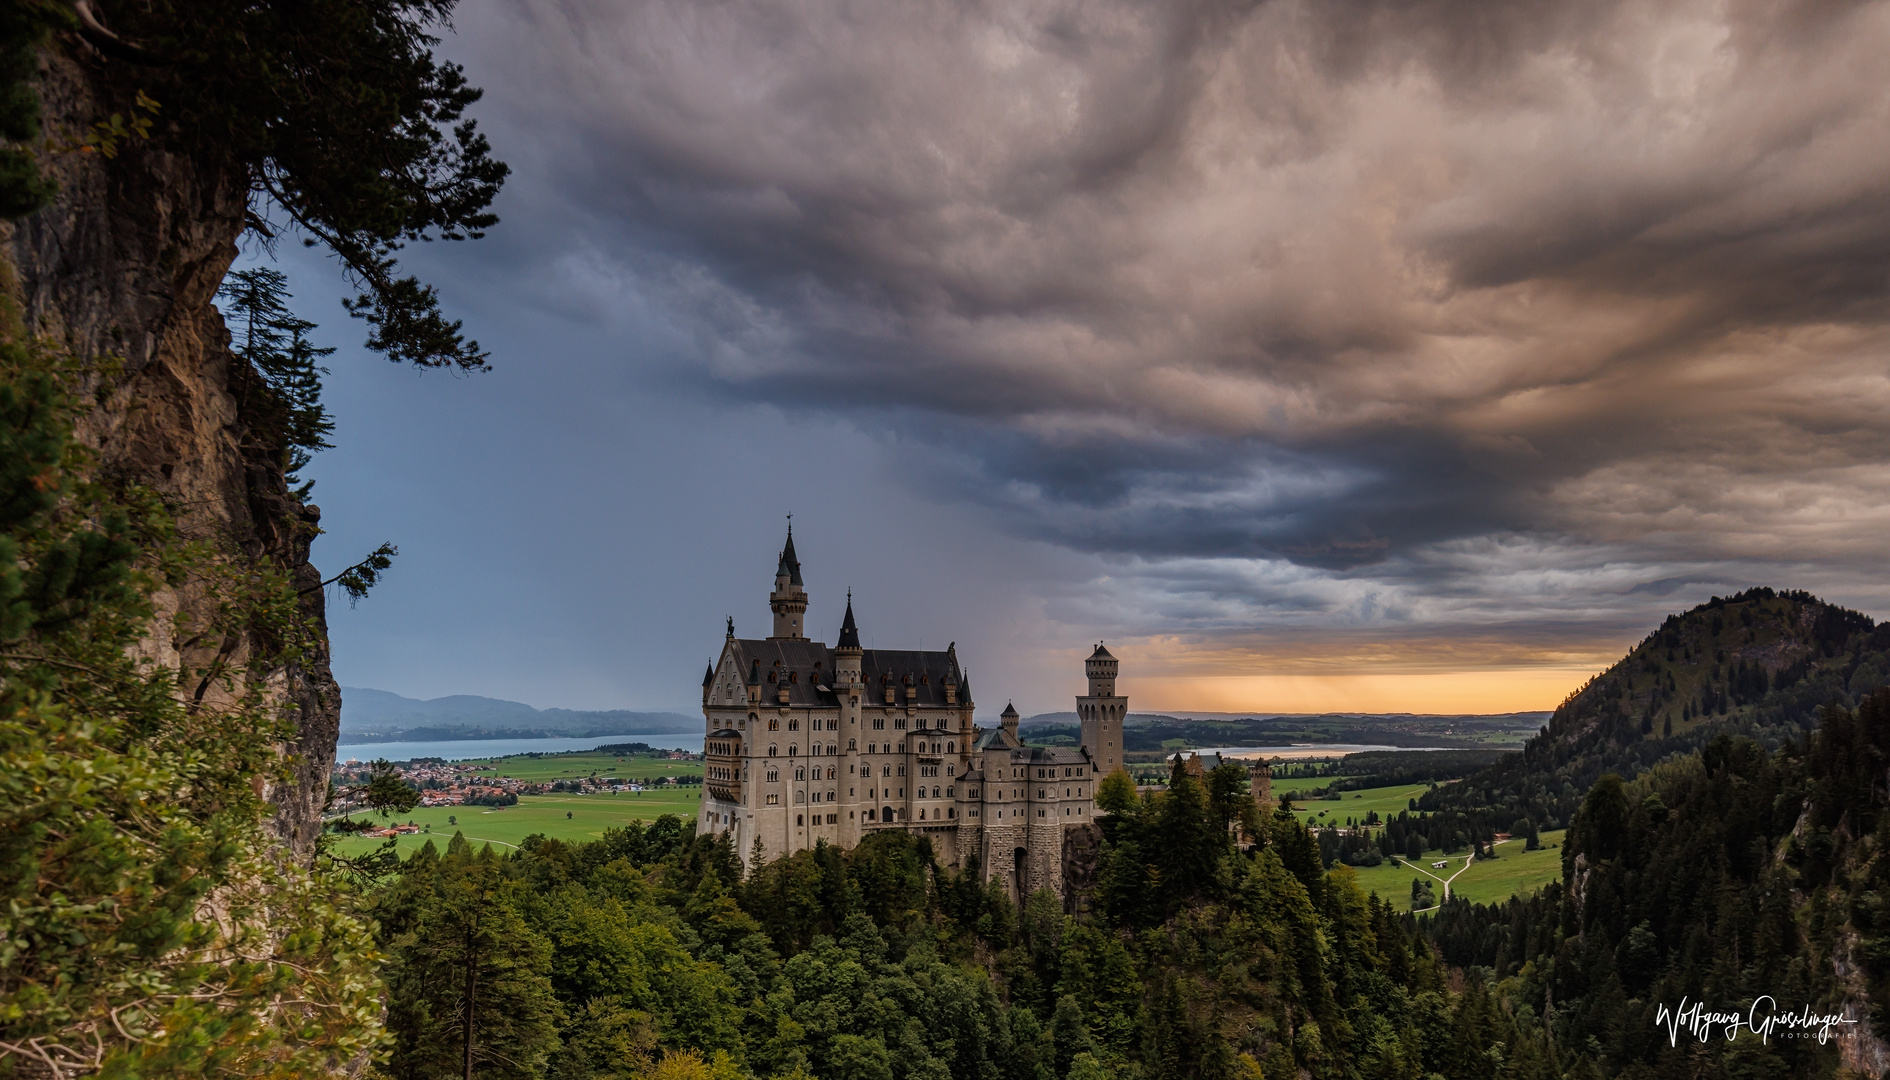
x=789, y=599
x=1101, y=712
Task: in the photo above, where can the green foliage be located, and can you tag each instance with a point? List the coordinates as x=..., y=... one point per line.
x=385, y=792
x=275, y=342
x=469, y=989
x=23, y=28
x=333, y=113
x=1115, y=793
x=151, y=926
x=356, y=580
x=877, y=962
x=1721, y=876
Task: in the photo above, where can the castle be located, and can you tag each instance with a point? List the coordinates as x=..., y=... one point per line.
x=807, y=743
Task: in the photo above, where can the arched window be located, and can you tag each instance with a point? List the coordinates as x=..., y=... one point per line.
x=879, y=723
x=774, y=724
x=951, y=747
x=797, y=819
x=773, y=777
x=853, y=744
x=793, y=750
x=885, y=770
x=800, y=774
x=869, y=814
x=771, y=749
x=800, y=797
x=885, y=813
x=794, y=724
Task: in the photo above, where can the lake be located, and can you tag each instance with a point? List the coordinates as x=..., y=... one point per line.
x=469, y=749
x=1311, y=750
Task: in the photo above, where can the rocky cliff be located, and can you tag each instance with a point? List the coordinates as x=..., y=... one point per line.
x=121, y=269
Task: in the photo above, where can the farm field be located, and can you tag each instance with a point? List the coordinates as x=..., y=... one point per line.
x=1487, y=882
x=590, y=816
x=543, y=768
x=1388, y=801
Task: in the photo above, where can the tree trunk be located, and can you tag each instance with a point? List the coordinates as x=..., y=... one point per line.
x=472, y=986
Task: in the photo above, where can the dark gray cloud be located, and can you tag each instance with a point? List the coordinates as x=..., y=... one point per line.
x=1422, y=316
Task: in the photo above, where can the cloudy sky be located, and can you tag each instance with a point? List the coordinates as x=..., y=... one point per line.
x=1406, y=356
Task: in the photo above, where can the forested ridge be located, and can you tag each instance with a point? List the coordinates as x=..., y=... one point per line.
x=1759, y=663
x=1718, y=876
x=647, y=953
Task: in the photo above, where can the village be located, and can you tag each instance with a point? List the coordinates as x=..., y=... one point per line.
x=472, y=783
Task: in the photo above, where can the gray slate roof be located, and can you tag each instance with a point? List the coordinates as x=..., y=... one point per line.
x=809, y=666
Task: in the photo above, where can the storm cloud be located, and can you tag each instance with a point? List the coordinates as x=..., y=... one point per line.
x=1294, y=317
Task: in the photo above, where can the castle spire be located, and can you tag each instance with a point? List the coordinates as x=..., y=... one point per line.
x=788, y=600
x=849, y=632
x=790, y=566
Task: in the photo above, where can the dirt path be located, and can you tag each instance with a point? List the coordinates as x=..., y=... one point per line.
x=1467, y=861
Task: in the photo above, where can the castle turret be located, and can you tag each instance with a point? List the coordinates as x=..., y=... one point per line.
x=1101, y=712
x=1009, y=720
x=789, y=599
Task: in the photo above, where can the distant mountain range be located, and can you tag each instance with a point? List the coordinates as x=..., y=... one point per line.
x=371, y=716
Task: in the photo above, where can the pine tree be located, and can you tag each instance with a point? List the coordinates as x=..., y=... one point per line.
x=275, y=342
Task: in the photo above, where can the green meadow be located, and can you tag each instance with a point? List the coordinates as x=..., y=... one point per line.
x=1388, y=801
x=544, y=768
x=569, y=817
x=1514, y=871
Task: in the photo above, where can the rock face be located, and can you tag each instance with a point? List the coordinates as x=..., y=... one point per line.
x=124, y=264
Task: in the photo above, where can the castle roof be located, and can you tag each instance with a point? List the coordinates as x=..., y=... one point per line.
x=708, y=677
x=1100, y=653
x=809, y=667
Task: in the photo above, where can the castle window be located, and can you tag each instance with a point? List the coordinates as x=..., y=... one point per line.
x=774, y=800
x=948, y=793
x=773, y=777
x=923, y=679
x=800, y=774
x=771, y=749
x=794, y=677
x=872, y=748
x=832, y=773
x=902, y=770
x=879, y=723
x=793, y=750
x=951, y=811
x=773, y=724
x=797, y=819
x=868, y=815
x=770, y=676
x=800, y=797
x=852, y=744
x=794, y=725
x=885, y=770
x=900, y=723
x=951, y=747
